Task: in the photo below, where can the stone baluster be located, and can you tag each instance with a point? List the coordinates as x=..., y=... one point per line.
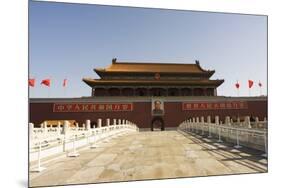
x=119, y=121
x=114, y=121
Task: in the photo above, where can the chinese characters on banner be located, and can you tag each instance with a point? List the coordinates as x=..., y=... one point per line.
x=92, y=107
x=214, y=105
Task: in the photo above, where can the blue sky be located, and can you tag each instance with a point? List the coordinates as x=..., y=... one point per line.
x=69, y=40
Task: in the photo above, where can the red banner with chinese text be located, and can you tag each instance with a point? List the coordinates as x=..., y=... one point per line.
x=92, y=107
x=214, y=105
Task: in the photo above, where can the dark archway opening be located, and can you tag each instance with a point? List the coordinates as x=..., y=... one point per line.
x=157, y=123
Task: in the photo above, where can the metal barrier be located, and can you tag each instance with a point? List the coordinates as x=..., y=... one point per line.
x=250, y=137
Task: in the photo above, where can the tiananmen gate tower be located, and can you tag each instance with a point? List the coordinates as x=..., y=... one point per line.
x=152, y=95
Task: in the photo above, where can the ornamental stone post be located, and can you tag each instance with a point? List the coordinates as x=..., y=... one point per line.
x=257, y=121
x=88, y=124
x=99, y=123
x=45, y=127
x=31, y=127
x=59, y=128
x=107, y=122
x=238, y=120
x=208, y=119
x=119, y=121
x=247, y=122
x=65, y=127
x=227, y=120
x=217, y=120
x=114, y=121
x=202, y=119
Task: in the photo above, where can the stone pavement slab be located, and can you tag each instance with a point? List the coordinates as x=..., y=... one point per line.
x=150, y=155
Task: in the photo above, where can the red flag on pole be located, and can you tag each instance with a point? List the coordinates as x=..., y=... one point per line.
x=237, y=85
x=64, y=82
x=46, y=82
x=31, y=82
x=250, y=83
x=260, y=85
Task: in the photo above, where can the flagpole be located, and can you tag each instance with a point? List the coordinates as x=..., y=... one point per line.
x=237, y=88
x=49, y=92
x=249, y=88
x=29, y=90
x=63, y=91
x=260, y=88
x=64, y=84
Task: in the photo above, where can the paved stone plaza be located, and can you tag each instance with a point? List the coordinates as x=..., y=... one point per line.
x=150, y=155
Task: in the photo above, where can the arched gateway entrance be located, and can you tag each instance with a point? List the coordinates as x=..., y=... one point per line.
x=157, y=123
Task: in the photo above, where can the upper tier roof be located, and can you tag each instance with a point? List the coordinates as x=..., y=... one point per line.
x=140, y=67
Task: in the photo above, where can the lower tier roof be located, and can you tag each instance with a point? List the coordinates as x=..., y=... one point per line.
x=102, y=82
